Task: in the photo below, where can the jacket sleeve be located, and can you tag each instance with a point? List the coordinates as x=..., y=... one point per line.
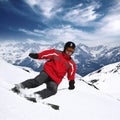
x=71, y=71
x=47, y=54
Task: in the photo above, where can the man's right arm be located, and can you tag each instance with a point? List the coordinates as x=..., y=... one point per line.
x=47, y=54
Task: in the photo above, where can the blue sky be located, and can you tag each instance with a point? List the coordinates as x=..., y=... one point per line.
x=91, y=22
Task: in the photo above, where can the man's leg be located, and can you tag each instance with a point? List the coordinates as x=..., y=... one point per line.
x=38, y=80
x=49, y=91
x=31, y=83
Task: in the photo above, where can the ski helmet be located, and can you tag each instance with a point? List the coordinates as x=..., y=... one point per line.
x=69, y=45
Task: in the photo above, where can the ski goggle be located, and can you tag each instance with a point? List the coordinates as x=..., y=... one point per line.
x=70, y=49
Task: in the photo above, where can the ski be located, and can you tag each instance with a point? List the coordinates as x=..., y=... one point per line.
x=32, y=99
x=55, y=107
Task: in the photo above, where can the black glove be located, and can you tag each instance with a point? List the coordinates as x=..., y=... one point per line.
x=33, y=55
x=71, y=84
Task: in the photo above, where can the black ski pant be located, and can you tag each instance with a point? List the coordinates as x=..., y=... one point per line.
x=43, y=77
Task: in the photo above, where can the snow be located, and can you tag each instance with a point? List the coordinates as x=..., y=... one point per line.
x=84, y=102
x=108, y=79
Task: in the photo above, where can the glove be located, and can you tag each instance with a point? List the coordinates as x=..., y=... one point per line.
x=33, y=55
x=71, y=84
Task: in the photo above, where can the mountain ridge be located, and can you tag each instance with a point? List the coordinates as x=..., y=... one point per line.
x=88, y=59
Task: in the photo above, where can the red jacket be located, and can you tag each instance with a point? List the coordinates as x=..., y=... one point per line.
x=58, y=65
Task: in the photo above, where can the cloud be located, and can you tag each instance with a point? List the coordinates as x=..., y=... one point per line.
x=106, y=29
x=82, y=15
x=35, y=32
x=66, y=33
x=109, y=26
x=63, y=33
x=48, y=8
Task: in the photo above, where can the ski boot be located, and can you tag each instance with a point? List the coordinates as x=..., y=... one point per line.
x=33, y=97
x=17, y=88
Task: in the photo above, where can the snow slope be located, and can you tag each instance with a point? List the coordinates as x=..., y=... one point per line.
x=107, y=79
x=84, y=102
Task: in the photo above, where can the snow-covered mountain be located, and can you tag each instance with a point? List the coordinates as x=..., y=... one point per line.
x=84, y=102
x=106, y=79
x=88, y=59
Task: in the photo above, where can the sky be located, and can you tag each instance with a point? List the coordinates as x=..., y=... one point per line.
x=92, y=22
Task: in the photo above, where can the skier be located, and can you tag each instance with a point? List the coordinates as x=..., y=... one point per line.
x=59, y=63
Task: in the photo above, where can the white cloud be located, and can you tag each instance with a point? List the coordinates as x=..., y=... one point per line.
x=107, y=29
x=82, y=16
x=49, y=8
x=64, y=33
x=35, y=32
x=110, y=25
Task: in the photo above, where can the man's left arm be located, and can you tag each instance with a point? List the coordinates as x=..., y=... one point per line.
x=71, y=75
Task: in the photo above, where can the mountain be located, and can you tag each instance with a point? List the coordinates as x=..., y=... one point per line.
x=84, y=102
x=106, y=79
x=88, y=59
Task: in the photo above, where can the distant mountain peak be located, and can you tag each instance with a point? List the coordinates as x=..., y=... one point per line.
x=88, y=59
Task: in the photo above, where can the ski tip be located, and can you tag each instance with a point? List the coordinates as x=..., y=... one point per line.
x=55, y=107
